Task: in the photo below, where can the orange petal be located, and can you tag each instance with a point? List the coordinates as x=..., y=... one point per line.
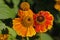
x=30, y=31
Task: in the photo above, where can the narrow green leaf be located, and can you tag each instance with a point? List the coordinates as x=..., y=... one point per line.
x=0, y=31
x=11, y=38
x=8, y=1
x=11, y=32
x=16, y=3
x=57, y=20
x=2, y=25
x=44, y=36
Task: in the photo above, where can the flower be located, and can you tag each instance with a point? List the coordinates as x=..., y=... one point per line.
x=22, y=13
x=25, y=6
x=4, y=36
x=24, y=24
x=57, y=5
x=25, y=10
x=24, y=27
x=43, y=21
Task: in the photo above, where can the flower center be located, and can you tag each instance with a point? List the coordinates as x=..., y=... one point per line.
x=40, y=19
x=27, y=21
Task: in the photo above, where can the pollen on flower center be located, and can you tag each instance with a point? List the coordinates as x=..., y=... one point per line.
x=27, y=21
x=40, y=19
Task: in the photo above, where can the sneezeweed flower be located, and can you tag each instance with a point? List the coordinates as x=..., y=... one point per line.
x=24, y=24
x=57, y=5
x=4, y=36
x=24, y=27
x=43, y=21
x=25, y=10
x=25, y=6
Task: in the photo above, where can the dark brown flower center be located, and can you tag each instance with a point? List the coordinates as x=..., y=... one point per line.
x=27, y=21
x=40, y=18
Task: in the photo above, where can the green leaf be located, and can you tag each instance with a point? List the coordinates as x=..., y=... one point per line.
x=12, y=32
x=11, y=38
x=2, y=26
x=8, y=1
x=1, y=2
x=57, y=20
x=44, y=36
x=12, y=14
x=6, y=12
x=16, y=2
x=0, y=31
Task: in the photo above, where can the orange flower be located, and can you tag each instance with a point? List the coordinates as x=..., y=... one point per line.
x=25, y=6
x=57, y=5
x=24, y=27
x=24, y=24
x=22, y=13
x=43, y=21
x=4, y=36
x=25, y=10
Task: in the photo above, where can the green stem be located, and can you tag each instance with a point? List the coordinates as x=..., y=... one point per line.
x=27, y=38
x=40, y=36
x=23, y=38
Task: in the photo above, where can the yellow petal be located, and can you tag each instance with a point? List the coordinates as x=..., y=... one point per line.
x=28, y=13
x=30, y=31
x=49, y=27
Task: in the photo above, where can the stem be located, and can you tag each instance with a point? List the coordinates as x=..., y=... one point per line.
x=40, y=36
x=27, y=38
x=23, y=38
